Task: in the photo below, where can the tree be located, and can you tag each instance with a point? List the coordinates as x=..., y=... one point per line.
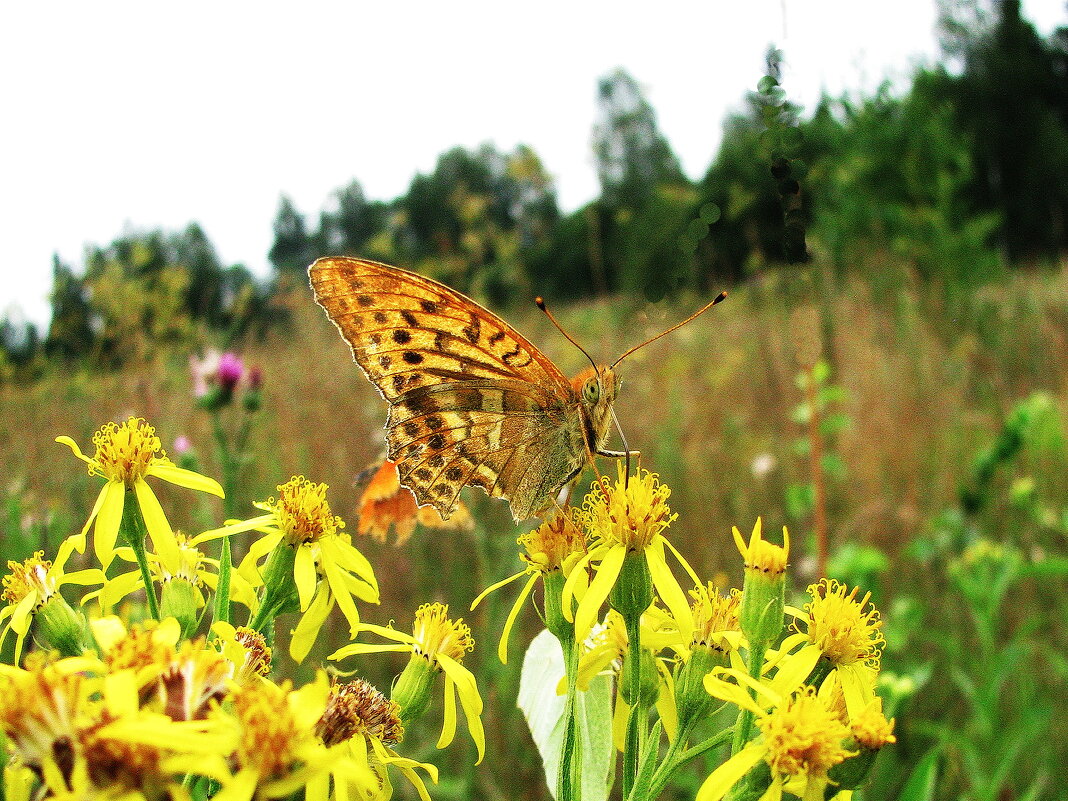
x=70, y=333
x=347, y=229
x=633, y=157
x=1012, y=100
x=292, y=250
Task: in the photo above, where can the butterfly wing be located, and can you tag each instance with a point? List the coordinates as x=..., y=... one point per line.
x=472, y=402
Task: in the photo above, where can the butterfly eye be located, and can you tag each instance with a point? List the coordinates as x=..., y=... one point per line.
x=591, y=391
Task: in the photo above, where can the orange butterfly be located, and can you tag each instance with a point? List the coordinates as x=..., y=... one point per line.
x=385, y=504
x=472, y=402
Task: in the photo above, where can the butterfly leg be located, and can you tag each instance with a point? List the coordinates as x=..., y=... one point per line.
x=619, y=454
x=623, y=455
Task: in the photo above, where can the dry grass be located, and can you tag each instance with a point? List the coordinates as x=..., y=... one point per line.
x=923, y=393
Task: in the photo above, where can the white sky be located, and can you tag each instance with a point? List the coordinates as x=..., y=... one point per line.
x=147, y=114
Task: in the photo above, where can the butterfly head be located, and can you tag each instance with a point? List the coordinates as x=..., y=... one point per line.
x=597, y=388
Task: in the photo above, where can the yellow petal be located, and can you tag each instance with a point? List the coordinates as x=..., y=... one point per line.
x=82, y=577
x=107, y=631
x=492, y=587
x=185, y=478
x=336, y=580
x=502, y=648
x=590, y=606
x=309, y=625
x=70, y=443
x=723, y=778
x=669, y=590
x=448, y=725
x=159, y=530
x=574, y=578
x=355, y=648
x=110, y=504
x=466, y=688
x=793, y=670
x=304, y=576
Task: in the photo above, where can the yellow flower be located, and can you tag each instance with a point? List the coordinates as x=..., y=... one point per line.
x=369, y=724
x=191, y=566
x=553, y=547
x=85, y=731
x=246, y=649
x=439, y=643
x=125, y=455
x=276, y=749
x=846, y=632
x=628, y=517
x=801, y=738
x=32, y=584
x=326, y=569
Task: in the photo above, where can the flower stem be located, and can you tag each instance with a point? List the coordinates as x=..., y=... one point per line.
x=632, y=745
x=745, y=716
x=569, y=787
x=133, y=530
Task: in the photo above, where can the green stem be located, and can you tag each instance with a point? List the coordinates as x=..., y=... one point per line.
x=632, y=744
x=569, y=782
x=133, y=530
x=745, y=716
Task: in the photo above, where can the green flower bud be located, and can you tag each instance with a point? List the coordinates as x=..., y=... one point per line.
x=414, y=688
x=632, y=593
x=180, y=601
x=60, y=627
x=764, y=590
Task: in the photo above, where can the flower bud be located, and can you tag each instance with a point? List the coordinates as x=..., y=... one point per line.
x=60, y=627
x=414, y=688
x=633, y=590
x=179, y=600
x=764, y=590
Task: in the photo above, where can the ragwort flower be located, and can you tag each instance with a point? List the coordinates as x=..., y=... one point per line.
x=125, y=455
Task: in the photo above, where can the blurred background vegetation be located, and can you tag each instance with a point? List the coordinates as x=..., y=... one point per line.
x=890, y=374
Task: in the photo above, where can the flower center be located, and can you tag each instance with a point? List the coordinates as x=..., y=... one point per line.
x=549, y=545
x=269, y=732
x=303, y=512
x=125, y=451
x=631, y=512
x=358, y=708
x=804, y=737
x=436, y=634
x=31, y=575
x=845, y=629
x=714, y=615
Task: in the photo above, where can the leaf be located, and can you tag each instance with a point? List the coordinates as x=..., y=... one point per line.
x=922, y=781
x=543, y=669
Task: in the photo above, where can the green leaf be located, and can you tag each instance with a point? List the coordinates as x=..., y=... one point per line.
x=543, y=669
x=922, y=781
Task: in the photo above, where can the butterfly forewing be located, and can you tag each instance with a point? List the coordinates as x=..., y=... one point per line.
x=472, y=401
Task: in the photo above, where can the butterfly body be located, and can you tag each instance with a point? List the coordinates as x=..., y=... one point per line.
x=472, y=402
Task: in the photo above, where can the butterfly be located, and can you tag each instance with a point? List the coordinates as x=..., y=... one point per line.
x=471, y=401
x=385, y=505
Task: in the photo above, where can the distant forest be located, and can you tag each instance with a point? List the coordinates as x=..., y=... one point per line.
x=961, y=178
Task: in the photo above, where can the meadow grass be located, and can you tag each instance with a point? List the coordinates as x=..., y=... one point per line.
x=928, y=380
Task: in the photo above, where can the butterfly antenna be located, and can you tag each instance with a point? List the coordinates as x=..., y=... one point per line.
x=721, y=296
x=541, y=305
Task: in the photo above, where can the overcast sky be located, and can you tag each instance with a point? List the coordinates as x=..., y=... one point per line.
x=146, y=114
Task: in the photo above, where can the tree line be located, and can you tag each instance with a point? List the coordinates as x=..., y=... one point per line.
x=961, y=176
